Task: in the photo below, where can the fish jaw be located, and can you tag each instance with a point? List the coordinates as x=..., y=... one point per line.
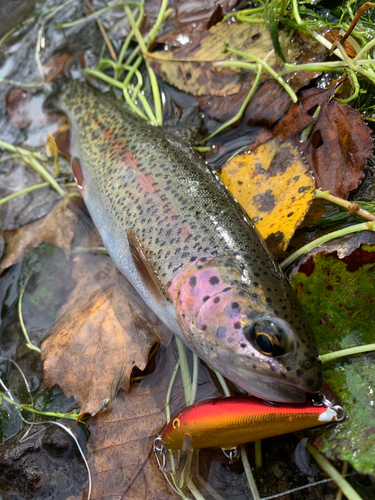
x=229, y=324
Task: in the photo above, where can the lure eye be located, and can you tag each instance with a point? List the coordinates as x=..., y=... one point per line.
x=176, y=423
x=269, y=336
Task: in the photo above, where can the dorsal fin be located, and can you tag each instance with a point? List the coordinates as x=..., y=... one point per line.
x=77, y=172
x=148, y=275
x=186, y=129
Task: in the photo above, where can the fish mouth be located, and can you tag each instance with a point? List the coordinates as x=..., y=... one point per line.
x=280, y=393
x=272, y=390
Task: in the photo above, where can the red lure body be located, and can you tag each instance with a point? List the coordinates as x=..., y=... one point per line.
x=229, y=422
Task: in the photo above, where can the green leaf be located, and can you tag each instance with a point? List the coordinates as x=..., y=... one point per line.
x=338, y=297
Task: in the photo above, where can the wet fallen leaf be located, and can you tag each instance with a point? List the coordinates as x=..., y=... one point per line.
x=56, y=65
x=100, y=335
x=192, y=68
x=25, y=109
x=275, y=188
x=45, y=465
x=270, y=101
x=339, y=143
x=27, y=207
x=119, y=448
x=338, y=297
x=56, y=228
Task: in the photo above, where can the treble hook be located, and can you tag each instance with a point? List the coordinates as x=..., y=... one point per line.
x=160, y=452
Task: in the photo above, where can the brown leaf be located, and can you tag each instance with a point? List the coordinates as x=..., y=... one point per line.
x=100, y=335
x=270, y=101
x=56, y=65
x=193, y=68
x=57, y=228
x=25, y=109
x=339, y=143
x=119, y=448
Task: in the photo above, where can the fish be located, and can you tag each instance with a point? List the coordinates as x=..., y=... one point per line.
x=228, y=422
x=189, y=249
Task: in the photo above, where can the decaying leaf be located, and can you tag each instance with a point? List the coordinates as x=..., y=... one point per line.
x=56, y=228
x=338, y=297
x=339, y=143
x=119, y=449
x=25, y=109
x=192, y=68
x=56, y=65
x=270, y=101
x=100, y=335
x=275, y=188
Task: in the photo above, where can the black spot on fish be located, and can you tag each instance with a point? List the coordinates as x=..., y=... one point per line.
x=221, y=332
x=204, y=327
x=299, y=373
x=243, y=345
x=235, y=305
x=216, y=300
x=206, y=298
x=254, y=367
x=310, y=382
x=214, y=280
x=268, y=300
x=193, y=281
x=288, y=368
x=226, y=289
x=237, y=325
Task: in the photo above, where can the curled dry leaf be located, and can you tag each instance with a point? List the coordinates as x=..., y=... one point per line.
x=339, y=143
x=57, y=228
x=274, y=186
x=100, y=335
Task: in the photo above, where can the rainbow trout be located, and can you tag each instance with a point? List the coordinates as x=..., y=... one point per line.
x=188, y=248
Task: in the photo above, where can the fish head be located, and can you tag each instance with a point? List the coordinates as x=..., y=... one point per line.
x=269, y=351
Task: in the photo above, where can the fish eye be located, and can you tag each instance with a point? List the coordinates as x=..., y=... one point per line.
x=269, y=336
x=176, y=423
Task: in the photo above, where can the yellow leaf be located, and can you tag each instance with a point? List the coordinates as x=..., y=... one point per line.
x=193, y=68
x=274, y=186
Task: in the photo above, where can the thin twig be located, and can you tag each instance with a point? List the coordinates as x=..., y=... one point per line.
x=103, y=32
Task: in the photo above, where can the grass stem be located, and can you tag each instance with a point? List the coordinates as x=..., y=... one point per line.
x=350, y=351
x=365, y=226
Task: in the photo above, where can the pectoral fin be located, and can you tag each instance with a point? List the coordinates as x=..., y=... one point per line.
x=77, y=172
x=148, y=275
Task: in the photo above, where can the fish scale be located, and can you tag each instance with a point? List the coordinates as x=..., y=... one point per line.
x=188, y=227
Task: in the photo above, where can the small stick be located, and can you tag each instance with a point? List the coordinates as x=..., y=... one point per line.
x=361, y=10
x=103, y=32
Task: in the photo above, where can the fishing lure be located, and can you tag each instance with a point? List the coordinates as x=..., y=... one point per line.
x=228, y=422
